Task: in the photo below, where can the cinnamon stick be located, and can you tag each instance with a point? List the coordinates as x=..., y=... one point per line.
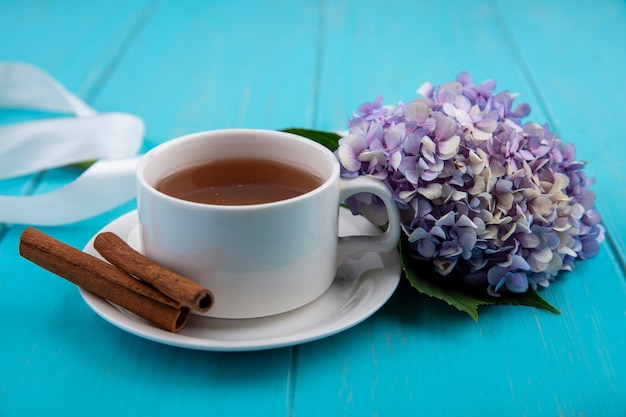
x=182, y=289
x=103, y=279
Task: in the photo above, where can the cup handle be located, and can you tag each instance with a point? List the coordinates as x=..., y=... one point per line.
x=383, y=242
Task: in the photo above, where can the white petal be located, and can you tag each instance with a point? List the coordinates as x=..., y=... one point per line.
x=348, y=159
x=406, y=196
x=431, y=191
x=395, y=160
x=465, y=221
x=462, y=116
x=480, y=135
x=448, y=148
x=425, y=89
x=544, y=255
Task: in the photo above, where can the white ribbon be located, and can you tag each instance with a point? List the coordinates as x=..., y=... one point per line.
x=112, y=139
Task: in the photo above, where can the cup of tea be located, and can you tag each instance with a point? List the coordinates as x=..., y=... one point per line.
x=252, y=215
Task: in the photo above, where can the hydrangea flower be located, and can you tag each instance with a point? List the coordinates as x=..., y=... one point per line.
x=504, y=203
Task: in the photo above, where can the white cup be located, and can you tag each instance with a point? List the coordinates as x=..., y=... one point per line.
x=259, y=259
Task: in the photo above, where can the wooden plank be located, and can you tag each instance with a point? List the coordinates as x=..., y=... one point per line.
x=418, y=356
x=181, y=70
x=228, y=65
x=74, y=44
x=392, y=50
x=179, y=67
x=58, y=343
x=575, y=58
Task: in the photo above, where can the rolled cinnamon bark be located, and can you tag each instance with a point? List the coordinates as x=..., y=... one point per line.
x=180, y=288
x=103, y=279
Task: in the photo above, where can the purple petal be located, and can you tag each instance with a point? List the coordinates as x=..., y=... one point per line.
x=417, y=234
x=522, y=110
x=487, y=125
x=516, y=282
x=496, y=274
x=488, y=85
x=517, y=262
x=394, y=136
x=426, y=248
x=448, y=219
x=417, y=111
x=464, y=78
x=446, y=126
x=591, y=217
x=368, y=108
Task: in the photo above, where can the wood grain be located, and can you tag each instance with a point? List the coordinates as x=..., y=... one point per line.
x=189, y=66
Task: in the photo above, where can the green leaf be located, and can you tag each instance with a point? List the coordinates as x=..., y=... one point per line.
x=453, y=291
x=328, y=139
x=83, y=165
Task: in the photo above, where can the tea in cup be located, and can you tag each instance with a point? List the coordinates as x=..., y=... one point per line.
x=253, y=216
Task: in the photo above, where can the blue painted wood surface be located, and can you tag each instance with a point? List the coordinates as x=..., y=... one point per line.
x=189, y=66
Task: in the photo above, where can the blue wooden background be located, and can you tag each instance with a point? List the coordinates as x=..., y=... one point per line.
x=185, y=66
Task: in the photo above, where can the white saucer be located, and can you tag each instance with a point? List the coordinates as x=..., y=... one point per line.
x=363, y=284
